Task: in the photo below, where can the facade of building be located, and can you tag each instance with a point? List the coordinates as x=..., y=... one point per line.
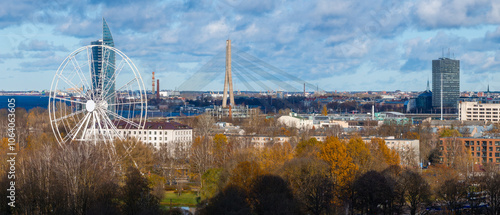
x=424, y=102
x=408, y=150
x=445, y=79
x=293, y=120
x=481, y=150
x=476, y=111
x=236, y=112
x=172, y=134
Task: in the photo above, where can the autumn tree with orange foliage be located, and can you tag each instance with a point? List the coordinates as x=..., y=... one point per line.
x=360, y=153
x=222, y=149
x=324, y=111
x=342, y=167
x=245, y=173
x=383, y=154
x=307, y=147
x=275, y=156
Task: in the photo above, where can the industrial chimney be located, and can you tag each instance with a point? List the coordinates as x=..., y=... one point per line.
x=158, y=89
x=153, y=88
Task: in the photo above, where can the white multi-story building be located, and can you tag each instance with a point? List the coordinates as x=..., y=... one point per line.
x=474, y=111
x=293, y=120
x=408, y=150
x=156, y=134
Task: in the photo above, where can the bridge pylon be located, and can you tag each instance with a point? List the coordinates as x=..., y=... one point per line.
x=228, y=80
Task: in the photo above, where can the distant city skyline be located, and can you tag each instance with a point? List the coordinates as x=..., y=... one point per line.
x=337, y=45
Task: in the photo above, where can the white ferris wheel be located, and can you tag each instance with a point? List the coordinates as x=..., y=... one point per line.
x=96, y=94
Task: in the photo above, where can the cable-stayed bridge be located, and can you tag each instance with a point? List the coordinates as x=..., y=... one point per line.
x=251, y=73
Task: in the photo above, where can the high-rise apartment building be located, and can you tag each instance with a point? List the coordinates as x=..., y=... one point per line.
x=103, y=65
x=445, y=81
x=477, y=111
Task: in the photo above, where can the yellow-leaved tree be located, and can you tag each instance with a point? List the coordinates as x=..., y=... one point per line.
x=222, y=149
x=360, y=153
x=389, y=156
x=275, y=156
x=324, y=111
x=342, y=168
x=307, y=147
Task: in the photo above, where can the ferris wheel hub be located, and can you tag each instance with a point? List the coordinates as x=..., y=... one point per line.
x=90, y=105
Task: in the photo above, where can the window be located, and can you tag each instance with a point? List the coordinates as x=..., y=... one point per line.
x=478, y=149
x=497, y=143
x=497, y=155
x=472, y=148
x=491, y=149
x=478, y=154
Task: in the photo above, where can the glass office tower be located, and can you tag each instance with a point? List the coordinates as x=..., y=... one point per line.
x=445, y=79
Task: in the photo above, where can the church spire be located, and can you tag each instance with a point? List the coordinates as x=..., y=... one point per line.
x=428, y=86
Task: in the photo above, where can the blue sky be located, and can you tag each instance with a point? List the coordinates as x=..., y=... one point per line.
x=337, y=44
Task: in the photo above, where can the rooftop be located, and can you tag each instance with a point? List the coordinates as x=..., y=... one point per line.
x=165, y=125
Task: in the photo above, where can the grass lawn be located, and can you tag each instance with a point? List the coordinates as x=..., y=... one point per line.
x=186, y=199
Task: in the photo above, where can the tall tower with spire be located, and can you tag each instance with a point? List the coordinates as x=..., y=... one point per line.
x=102, y=73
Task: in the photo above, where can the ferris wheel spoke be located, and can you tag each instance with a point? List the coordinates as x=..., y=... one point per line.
x=125, y=85
x=109, y=124
x=90, y=62
x=94, y=132
x=124, y=119
x=84, y=133
x=72, y=85
x=118, y=69
x=79, y=71
x=102, y=132
x=126, y=103
x=72, y=133
x=104, y=70
x=111, y=127
x=69, y=100
x=69, y=115
x=109, y=85
x=106, y=129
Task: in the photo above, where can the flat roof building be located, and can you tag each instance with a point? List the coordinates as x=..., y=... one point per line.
x=445, y=81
